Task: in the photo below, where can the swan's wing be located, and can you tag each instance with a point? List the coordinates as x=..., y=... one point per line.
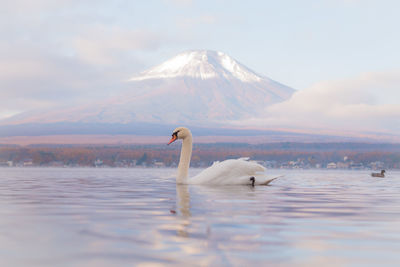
x=215, y=162
x=232, y=171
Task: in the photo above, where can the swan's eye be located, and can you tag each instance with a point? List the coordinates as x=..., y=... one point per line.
x=175, y=133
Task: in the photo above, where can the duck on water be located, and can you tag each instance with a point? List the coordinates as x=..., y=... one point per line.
x=377, y=174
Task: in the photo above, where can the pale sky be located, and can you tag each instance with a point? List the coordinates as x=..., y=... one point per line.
x=69, y=51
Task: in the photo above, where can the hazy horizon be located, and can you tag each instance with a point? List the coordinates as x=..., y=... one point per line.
x=340, y=56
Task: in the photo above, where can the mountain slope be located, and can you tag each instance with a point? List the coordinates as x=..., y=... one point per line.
x=195, y=87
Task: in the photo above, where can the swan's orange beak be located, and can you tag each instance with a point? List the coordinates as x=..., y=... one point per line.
x=172, y=139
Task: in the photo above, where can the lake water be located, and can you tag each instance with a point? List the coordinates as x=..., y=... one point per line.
x=139, y=217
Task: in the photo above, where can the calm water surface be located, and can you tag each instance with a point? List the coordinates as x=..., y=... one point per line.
x=139, y=217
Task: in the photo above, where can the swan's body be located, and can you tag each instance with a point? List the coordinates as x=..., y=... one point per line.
x=229, y=172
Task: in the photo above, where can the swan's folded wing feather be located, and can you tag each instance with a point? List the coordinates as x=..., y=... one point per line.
x=232, y=171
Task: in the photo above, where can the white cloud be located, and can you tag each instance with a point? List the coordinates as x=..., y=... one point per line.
x=188, y=23
x=180, y=3
x=63, y=53
x=108, y=45
x=367, y=103
x=32, y=77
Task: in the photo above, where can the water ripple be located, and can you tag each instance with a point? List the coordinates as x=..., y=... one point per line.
x=103, y=217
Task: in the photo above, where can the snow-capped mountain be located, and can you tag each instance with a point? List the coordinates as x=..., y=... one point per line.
x=205, y=88
x=202, y=65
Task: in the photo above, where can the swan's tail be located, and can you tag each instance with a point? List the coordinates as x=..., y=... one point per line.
x=268, y=181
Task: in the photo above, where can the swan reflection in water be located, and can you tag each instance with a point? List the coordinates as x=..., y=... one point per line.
x=183, y=208
x=229, y=172
x=183, y=200
x=215, y=202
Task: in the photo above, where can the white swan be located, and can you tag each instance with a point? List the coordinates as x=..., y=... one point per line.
x=228, y=172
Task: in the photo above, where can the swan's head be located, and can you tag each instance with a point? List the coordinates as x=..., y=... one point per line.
x=180, y=133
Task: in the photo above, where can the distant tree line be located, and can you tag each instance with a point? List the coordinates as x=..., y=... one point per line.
x=203, y=154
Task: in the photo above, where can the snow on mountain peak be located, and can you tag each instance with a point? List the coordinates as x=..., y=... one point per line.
x=202, y=64
x=218, y=89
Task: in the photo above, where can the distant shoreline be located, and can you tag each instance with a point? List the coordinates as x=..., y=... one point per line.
x=83, y=139
x=283, y=155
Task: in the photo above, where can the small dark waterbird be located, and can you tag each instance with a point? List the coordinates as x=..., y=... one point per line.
x=377, y=174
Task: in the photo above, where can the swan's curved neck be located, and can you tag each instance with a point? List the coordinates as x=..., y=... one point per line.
x=184, y=161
